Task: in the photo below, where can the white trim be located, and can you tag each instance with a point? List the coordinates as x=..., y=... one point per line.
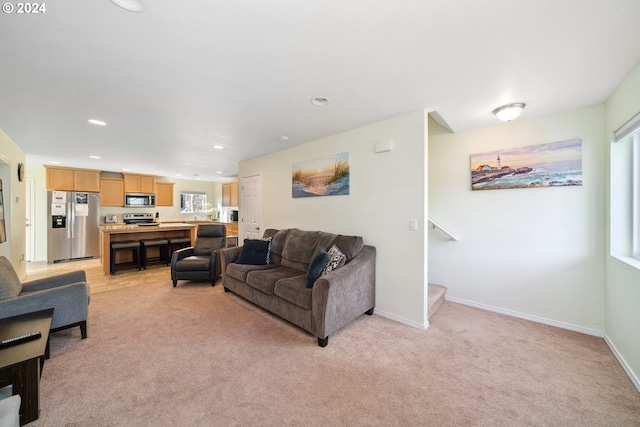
x=402, y=320
x=629, y=127
x=530, y=317
x=634, y=379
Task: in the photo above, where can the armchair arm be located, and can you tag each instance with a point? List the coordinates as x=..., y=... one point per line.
x=344, y=294
x=70, y=303
x=54, y=281
x=180, y=254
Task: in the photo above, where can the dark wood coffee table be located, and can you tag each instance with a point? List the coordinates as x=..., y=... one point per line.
x=21, y=364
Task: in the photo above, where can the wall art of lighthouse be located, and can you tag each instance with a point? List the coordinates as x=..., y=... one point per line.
x=555, y=164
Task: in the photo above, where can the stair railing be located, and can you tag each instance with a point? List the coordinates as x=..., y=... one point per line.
x=439, y=227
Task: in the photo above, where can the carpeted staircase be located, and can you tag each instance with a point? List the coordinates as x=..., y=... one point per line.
x=435, y=298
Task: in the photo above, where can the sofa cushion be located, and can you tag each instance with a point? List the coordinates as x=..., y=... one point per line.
x=336, y=260
x=255, y=252
x=295, y=291
x=300, y=247
x=10, y=286
x=317, y=264
x=349, y=245
x=278, y=238
x=265, y=280
x=240, y=271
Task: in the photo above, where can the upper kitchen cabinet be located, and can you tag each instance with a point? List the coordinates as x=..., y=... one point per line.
x=164, y=193
x=111, y=192
x=230, y=194
x=72, y=179
x=136, y=183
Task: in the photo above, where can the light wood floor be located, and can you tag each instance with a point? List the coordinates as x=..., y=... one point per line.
x=96, y=278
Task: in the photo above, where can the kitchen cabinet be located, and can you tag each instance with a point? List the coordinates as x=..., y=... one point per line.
x=164, y=193
x=230, y=194
x=111, y=192
x=72, y=179
x=136, y=183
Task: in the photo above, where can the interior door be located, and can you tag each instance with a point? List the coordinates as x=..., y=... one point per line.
x=30, y=212
x=251, y=209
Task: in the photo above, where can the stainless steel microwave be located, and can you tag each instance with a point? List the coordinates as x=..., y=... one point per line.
x=139, y=200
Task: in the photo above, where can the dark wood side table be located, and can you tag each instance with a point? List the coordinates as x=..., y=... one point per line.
x=21, y=364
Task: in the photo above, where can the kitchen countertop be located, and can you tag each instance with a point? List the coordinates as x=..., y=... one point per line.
x=136, y=227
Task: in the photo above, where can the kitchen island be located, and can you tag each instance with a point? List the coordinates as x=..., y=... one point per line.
x=120, y=233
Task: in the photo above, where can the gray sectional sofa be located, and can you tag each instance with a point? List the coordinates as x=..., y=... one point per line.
x=280, y=286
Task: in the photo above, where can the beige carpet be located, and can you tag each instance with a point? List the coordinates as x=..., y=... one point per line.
x=196, y=356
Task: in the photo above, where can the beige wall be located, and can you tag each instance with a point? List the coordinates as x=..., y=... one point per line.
x=623, y=273
x=14, y=203
x=535, y=253
x=387, y=190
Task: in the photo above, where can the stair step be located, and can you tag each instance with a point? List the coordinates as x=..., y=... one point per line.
x=435, y=298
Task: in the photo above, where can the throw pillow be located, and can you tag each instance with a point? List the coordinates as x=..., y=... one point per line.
x=255, y=252
x=318, y=261
x=336, y=260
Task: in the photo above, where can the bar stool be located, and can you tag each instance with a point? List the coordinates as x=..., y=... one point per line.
x=163, y=247
x=133, y=246
x=176, y=243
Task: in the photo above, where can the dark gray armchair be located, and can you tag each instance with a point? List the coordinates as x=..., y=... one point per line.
x=68, y=294
x=202, y=261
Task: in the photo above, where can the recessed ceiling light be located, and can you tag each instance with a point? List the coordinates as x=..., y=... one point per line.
x=94, y=157
x=284, y=138
x=218, y=147
x=97, y=122
x=53, y=162
x=219, y=172
x=125, y=169
x=178, y=174
x=320, y=101
x=131, y=5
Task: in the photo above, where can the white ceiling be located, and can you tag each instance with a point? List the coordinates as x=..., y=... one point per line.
x=183, y=76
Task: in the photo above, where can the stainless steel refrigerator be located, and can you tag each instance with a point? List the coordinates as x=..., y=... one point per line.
x=73, y=225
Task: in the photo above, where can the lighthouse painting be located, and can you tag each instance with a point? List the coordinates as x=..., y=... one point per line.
x=555, y=164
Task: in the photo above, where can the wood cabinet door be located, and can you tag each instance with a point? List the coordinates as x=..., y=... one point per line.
x=226, y=195
x=148, y=184
x=234, y=194
x=111, y=192
x=131, y=183
x=60, y=179
x=87, y=180
x=164, y=193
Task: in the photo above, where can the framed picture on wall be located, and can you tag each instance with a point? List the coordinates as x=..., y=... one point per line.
x=327, y=176
x=555, y=164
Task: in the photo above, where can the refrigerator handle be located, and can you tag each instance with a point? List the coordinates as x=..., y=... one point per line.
x=71, y=221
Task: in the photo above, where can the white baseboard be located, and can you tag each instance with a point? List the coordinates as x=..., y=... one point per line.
x=634, y=379
x=401, y=320
x=530, y=317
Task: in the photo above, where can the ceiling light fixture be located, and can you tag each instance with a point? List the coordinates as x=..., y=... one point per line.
x=218, y=147
x=320, y=101
x=97, y=122
x=131, y=5
x=94, y=157
x=509, y=112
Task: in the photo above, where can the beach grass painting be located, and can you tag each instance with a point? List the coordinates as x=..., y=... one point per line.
x=328, y=176
x=556, y=164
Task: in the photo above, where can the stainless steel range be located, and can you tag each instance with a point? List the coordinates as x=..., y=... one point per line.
x=138, y=218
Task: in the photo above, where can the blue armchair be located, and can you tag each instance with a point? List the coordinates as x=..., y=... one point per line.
x=68, y=294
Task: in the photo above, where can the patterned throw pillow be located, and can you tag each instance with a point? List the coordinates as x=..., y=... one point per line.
x=336, y=260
